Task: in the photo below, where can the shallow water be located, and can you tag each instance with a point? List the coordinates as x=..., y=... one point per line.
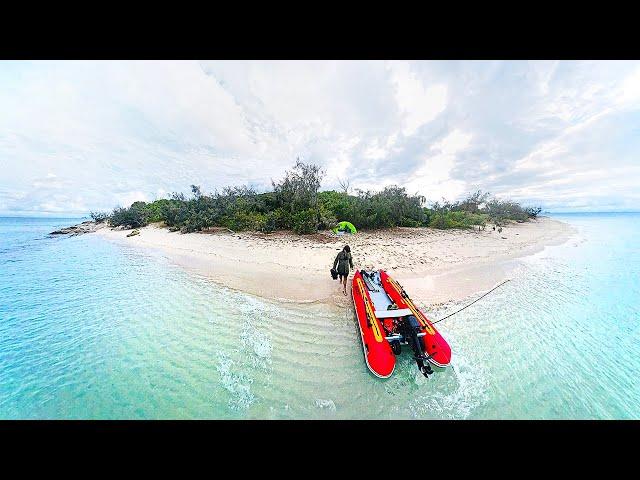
x=93, y=329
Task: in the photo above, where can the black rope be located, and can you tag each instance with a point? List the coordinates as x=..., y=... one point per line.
x=479, y=298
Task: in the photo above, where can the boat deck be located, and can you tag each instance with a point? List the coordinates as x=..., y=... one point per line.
x=379, y=298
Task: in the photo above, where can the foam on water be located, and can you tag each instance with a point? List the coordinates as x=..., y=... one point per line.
x=326, y=404
x=237, y=384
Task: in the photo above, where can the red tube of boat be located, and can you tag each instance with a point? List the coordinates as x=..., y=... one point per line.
x=377, y=351
x=434, y=344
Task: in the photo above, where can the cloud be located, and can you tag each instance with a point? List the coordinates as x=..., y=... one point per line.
x=80, y=136
x=418, y=103
x=433, y=178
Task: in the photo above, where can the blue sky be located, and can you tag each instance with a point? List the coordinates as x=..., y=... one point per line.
x=77, y=136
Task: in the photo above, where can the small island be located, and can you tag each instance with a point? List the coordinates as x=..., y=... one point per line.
x=280, y=244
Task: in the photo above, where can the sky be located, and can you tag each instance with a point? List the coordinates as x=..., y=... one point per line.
x=80, y=136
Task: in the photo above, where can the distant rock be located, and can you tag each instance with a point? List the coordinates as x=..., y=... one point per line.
x=80, y=229
x=133, y=233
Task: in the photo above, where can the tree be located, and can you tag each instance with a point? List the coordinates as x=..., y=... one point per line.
x=99, y=217
x=533, y=212
x=135, y=216
x=344, y=185
x=298, y=190
x=473, y=202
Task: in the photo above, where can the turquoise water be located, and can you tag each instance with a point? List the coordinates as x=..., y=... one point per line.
x=92, y=329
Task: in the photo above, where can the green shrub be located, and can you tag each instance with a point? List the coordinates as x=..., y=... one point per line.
x=270, y=222
x=99, y=217
x=533, y=212
x=135, y=216
x=283, y=219
x=305, y=222
x=241, y=220
x=297, y=194
x=157, y=210
x=456, y=219
x=426, y=216
x=327, y=218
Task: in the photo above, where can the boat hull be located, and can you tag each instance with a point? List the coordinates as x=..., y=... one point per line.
x=435, y=345
x=377, y=350
x=378, y=355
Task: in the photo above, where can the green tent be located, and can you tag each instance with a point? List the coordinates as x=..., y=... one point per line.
x=345, y=227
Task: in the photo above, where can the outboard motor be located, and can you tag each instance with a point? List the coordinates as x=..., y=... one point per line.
x=409, y=328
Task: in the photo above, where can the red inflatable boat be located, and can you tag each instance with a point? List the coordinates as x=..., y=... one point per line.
x=388, y=319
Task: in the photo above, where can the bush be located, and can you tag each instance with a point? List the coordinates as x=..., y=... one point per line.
x=157, y=210
x=501, y=211
x=305, y=222
x=297, y=195
x=327, y=219
x=533, y=212
x=241, y=220
x=409, y=222
x=426, y=215
x=99, y=217
x=456, y=219
x=270, y=222
x=390, y=207
x=135, y=216
x=477, y=209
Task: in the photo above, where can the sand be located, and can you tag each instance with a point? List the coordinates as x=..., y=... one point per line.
x=434, y=266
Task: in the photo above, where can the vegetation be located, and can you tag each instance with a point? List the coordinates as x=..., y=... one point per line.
x=137, y=215
x=478, y=209
x=99, y=217
x=391, y=207
x=296, y=203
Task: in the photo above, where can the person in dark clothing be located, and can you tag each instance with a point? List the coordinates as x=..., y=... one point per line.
x=341, y=264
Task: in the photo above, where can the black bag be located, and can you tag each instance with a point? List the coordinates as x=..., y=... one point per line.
x=334, y=274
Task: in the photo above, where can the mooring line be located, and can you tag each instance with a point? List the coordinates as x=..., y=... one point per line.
x=479, y=298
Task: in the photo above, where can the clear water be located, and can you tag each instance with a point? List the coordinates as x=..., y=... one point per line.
x=91, y=329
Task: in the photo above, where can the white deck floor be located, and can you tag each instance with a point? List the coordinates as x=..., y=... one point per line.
x=380, y=298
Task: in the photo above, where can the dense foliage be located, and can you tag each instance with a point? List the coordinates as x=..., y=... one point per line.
x=137, y=215
x=391, y=207
x=296, y=203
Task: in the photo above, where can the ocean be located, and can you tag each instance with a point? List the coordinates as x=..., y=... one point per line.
x=91, y=329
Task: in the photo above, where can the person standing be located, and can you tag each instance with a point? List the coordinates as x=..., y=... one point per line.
x=341, y=264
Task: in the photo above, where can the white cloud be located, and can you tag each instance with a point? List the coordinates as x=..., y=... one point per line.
x=434, y=178
x=418, y=103
x=629, y=92
x=92, y=135
x=126, y=199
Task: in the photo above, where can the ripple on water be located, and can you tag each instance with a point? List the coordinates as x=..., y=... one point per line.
x=90, y=329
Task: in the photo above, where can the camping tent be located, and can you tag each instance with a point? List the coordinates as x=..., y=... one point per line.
x=345, y=227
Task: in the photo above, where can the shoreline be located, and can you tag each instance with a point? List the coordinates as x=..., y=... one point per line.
x=435, y=266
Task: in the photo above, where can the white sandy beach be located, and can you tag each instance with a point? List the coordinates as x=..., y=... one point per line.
x=434, y=266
